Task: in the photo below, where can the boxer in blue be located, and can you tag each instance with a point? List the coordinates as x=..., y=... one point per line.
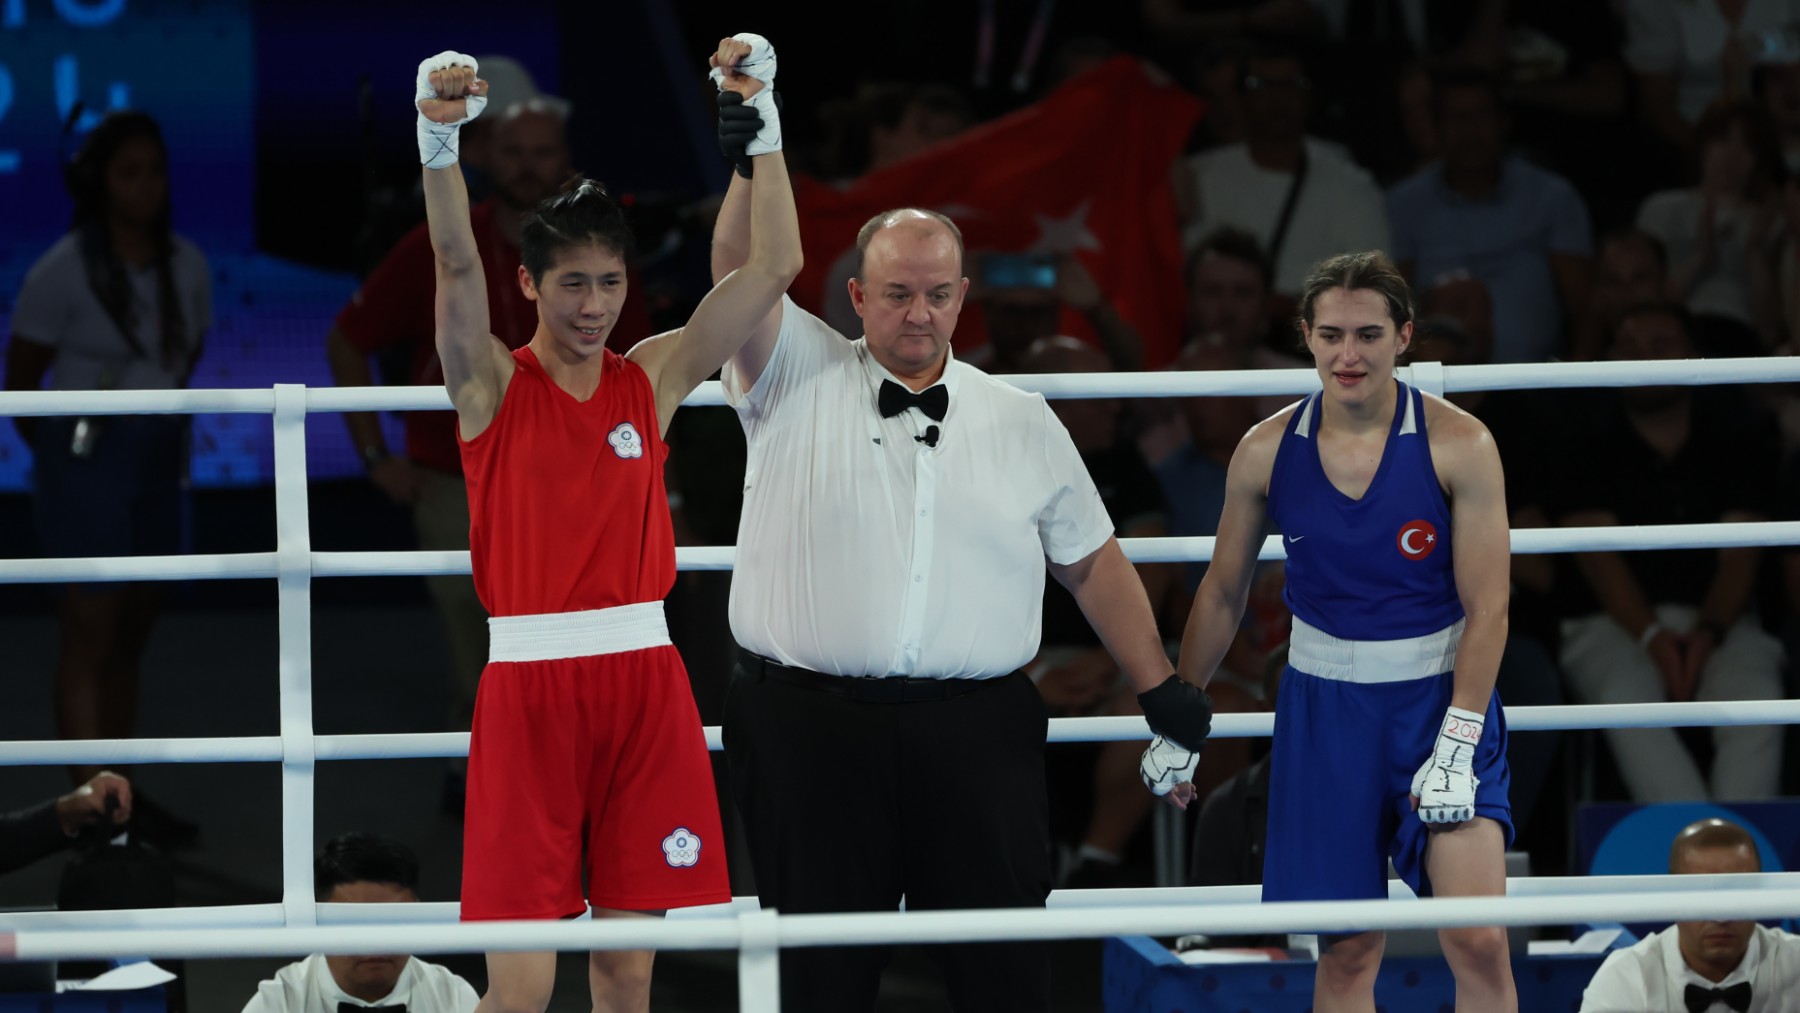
x=1389, y=741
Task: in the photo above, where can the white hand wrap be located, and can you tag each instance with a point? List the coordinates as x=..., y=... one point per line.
x=438, y=141
x=1165, y=765
x=1445, y=785
x=760, y=64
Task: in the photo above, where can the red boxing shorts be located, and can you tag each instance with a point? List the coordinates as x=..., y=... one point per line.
x=586, y=739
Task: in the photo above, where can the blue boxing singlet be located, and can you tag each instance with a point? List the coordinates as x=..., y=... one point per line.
x=1375, y=568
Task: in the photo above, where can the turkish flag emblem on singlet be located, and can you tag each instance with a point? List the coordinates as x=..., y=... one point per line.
x=1417, y=539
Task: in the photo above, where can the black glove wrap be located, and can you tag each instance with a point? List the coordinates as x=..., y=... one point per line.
x=738, y=126
x=1178, y=711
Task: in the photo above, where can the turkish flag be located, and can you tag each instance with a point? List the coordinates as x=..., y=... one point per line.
x=1085, y=172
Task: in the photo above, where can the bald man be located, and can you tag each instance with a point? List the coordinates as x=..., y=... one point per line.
x=900, y=508
x=1709, y=966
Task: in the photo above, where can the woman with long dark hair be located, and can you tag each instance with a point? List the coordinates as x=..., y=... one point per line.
x=121, y=302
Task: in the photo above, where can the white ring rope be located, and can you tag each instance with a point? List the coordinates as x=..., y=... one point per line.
x=1593, y=888
x=1077, y=922
x=423, y=745
x=249, y=565
x=1224, y=382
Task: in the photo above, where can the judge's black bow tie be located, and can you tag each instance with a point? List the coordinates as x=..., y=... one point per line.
x=1699, y=1000
x=934, y=401
x=350, y=1007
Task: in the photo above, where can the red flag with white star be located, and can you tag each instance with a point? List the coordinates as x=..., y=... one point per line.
x=1085, y=171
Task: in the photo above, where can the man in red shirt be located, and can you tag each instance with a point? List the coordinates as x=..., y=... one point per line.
x=529, y=161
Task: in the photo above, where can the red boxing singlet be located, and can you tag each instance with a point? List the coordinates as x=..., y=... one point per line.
x=567, y=510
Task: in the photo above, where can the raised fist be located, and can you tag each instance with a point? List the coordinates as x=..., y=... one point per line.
x=731, y=54
x=447, y=91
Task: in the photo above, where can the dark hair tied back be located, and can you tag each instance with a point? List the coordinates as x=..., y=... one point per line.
x=585, y=215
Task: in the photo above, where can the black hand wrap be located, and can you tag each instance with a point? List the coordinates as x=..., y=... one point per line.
x=1178, y=711
x=738, y=124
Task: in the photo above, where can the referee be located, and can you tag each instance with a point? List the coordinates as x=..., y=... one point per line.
x=899, y=508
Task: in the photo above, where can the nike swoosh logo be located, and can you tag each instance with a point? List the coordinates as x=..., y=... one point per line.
x=1294, y=538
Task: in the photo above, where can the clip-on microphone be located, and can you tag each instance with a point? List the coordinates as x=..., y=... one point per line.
x=930, y=439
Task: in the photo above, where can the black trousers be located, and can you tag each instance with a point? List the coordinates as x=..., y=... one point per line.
x=851, y=804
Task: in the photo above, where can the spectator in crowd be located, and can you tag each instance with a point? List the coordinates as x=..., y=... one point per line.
x=1688, y=54
x=1096, y=805
x=888, y=122
x=1775, y=85
x=121, y=301
x=1630, y=269
x=1522, y=231
x=1232, y=304
x=1722, y=234
x=46, y=828
x=1703, y=966
x=359, y=868
x=1675, y=625
x=1022, y=297
x=1302, y=199
x=392, y=314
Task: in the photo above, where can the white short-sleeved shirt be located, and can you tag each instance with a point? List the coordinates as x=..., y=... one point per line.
x=1686, y=38
x=864, y=552
x=1339, y=207
x=57, y=307
x=1673, y=216
x=308, y=987
x=1651, y=976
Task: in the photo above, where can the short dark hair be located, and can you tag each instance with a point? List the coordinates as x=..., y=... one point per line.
x=1465, y=78
x=358, y=857
x=1369, y=270
x=887, y=219
x=1238, y=244
x=1625, y=237
x=1760, y=133
x=1711, y=833
x=584, y=216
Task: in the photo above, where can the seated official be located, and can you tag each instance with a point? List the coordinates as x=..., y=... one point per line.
x=1703, y=967
x=361, y=868
x=48, y=827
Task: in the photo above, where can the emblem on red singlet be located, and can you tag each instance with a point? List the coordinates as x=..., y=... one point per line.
x=625, y=441
x=1417, y=539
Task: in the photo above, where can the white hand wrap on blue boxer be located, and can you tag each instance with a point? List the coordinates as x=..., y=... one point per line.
x=438, y=141
x=760, y=64
x=1445, y=785
x=1167, y=764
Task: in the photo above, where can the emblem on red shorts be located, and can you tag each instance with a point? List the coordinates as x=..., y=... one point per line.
x=1417, y=539
x=681, y=848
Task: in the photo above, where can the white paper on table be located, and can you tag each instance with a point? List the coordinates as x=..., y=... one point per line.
x=1591, y=941
x=142, y=974
x=1224, y=956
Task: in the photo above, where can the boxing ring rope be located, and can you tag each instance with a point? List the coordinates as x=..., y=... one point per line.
x=291, y=926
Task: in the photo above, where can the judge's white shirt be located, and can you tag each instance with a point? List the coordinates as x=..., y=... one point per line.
x=308, y=987
x=1651, y=977
x=864, y=552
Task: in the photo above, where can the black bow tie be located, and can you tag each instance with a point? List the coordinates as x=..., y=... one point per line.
x=934, y=401
x=1699, y=1000
x=350, y=1007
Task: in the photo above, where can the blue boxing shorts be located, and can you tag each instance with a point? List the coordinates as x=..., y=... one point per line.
x=1340, y=780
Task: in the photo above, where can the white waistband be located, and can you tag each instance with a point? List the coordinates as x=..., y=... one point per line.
x=577, y=634
x=1315, y=652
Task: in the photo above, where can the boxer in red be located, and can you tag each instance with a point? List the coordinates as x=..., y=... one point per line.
x=586, y=745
